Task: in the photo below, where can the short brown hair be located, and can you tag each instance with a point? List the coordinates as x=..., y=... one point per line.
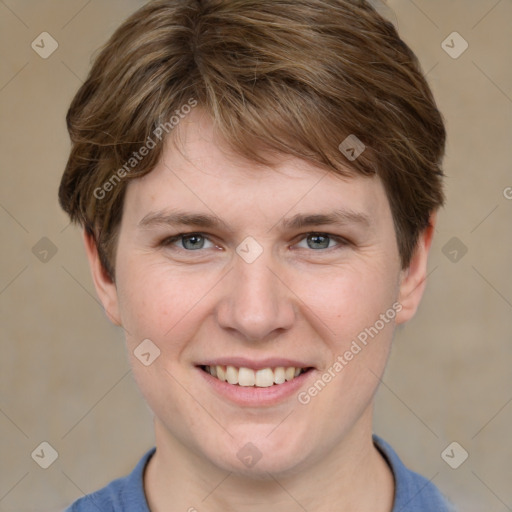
x=295, y=76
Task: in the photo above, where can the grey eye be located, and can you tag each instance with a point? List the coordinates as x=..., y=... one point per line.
x=193, y=242
x=318, y=241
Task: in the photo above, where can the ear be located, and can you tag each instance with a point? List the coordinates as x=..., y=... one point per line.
x=413, y=278
x=105, y=287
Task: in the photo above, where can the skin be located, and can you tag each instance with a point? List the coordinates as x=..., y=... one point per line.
x=297, y=300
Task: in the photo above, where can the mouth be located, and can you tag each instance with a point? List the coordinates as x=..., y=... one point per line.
x=247, y=377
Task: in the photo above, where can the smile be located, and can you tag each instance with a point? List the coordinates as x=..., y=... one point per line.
x=246, y=377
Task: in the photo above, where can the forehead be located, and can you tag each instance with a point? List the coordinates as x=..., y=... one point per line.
x=199, y=170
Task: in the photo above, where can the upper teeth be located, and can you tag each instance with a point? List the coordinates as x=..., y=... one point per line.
x=247, y=377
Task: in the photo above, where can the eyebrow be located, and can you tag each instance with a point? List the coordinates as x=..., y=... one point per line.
x=207, y=221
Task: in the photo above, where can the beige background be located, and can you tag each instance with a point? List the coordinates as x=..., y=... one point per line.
x=64, y=375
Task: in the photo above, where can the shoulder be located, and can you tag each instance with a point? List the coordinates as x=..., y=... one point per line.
x=123, y=494
x=413, y=492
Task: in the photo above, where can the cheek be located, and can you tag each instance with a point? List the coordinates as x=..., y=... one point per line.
x=346, y=301
x=162, y=305
x=150, y=302
x=357, y=311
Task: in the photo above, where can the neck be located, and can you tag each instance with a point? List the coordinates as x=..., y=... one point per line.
x=351, y=477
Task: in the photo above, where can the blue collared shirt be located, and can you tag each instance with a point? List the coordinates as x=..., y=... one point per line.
x=413, y=492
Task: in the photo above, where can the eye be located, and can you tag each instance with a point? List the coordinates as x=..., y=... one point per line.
x=190, y=241
x=195, y=241
x=321, y=241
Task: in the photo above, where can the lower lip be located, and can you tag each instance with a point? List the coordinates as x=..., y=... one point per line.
x=251, y=396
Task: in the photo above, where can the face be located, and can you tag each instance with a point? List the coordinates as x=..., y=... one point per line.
x=221, y=262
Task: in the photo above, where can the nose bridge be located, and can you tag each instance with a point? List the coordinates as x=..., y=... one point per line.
x=255, y=301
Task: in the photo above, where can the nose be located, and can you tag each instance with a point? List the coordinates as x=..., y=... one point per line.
x=256, y=304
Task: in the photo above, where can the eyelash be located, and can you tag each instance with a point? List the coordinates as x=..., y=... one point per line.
x=342, y=242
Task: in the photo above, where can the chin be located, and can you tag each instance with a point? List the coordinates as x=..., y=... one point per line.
x=256, y=454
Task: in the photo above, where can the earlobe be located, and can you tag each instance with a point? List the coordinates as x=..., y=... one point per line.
x=105, y=286
x=413, y=279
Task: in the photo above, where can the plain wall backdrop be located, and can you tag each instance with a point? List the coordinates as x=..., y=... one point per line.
x=64, y=376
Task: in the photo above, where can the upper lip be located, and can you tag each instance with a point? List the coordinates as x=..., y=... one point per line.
x=240, y=362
